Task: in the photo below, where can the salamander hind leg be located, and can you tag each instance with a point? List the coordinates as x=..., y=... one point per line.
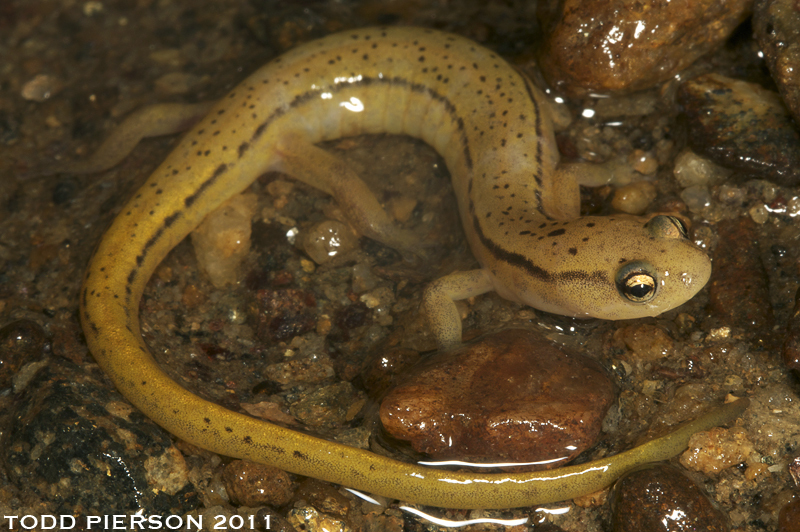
x=324, y=171
x=150, y=121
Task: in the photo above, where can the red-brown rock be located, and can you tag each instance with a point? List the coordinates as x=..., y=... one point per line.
x=513, y=396
x=661, y=498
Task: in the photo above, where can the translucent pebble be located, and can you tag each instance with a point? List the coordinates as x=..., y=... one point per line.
x=691, y=170
x=793, y=206
x=704, y=237
x=731, y=195
x=363, y=279
x=643, y=162
x=696, y=198
x=634, y=198
x=759, y=214
x=222, y=241
x=40, y=88
x=328, y=239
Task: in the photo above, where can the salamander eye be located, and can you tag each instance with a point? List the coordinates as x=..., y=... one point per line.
x=666, y=226
x=636, y=283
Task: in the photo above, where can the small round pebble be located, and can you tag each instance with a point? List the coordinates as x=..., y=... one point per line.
x=662, y=499
x=251, y=484
x=634, y=198
x=327, y=240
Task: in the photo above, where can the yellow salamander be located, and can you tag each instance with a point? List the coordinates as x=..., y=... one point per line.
x=519, y=210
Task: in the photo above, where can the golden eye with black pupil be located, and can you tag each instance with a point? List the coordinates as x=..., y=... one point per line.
x=635, y=283
x=666, y=226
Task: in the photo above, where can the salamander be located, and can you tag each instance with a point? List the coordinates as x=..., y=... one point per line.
x=520, y=212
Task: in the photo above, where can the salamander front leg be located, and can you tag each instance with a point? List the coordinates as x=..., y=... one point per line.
x=151, y=121
x=322, y=170
x=440, y=307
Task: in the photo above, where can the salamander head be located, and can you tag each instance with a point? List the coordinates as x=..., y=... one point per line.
x=617, y=267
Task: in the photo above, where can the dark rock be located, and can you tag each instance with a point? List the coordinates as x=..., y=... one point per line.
x=775, y=24
x=661, y=498
x=76, y=444
x=742, y=126
x=385, y=368
x=738, y=289
x=618, y=47
x=513, y=396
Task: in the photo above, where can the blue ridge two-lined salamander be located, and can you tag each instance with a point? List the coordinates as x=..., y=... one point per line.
x=519, y=211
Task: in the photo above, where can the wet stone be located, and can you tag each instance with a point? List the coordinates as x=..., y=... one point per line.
x=661, y=498
x=742, y=126
x=739, y=288
x=606, y=47
x=251, y=484
x=70, y=430
x=775, y=24
x=323, y=497
x=512, y=396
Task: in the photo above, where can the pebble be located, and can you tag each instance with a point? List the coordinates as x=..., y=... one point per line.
x=739, y=287
x=697, y=198
x=661, y=498
x=384, y=370
x=648, y=342
x=512, y=396
x=693, y=170
x=327, y=240
x=222, y=241
x=323, y=497
x=251, y=484
x=716, y=450
x=775, y=24
x=308, y=519
x=21, y=342
x=41, y=88
x=634, y=198
x=330, y=406
x=608, y=47
x=791, y=342
x=741, y=126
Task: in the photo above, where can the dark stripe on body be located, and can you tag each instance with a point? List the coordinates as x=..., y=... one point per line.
x=419, y=88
